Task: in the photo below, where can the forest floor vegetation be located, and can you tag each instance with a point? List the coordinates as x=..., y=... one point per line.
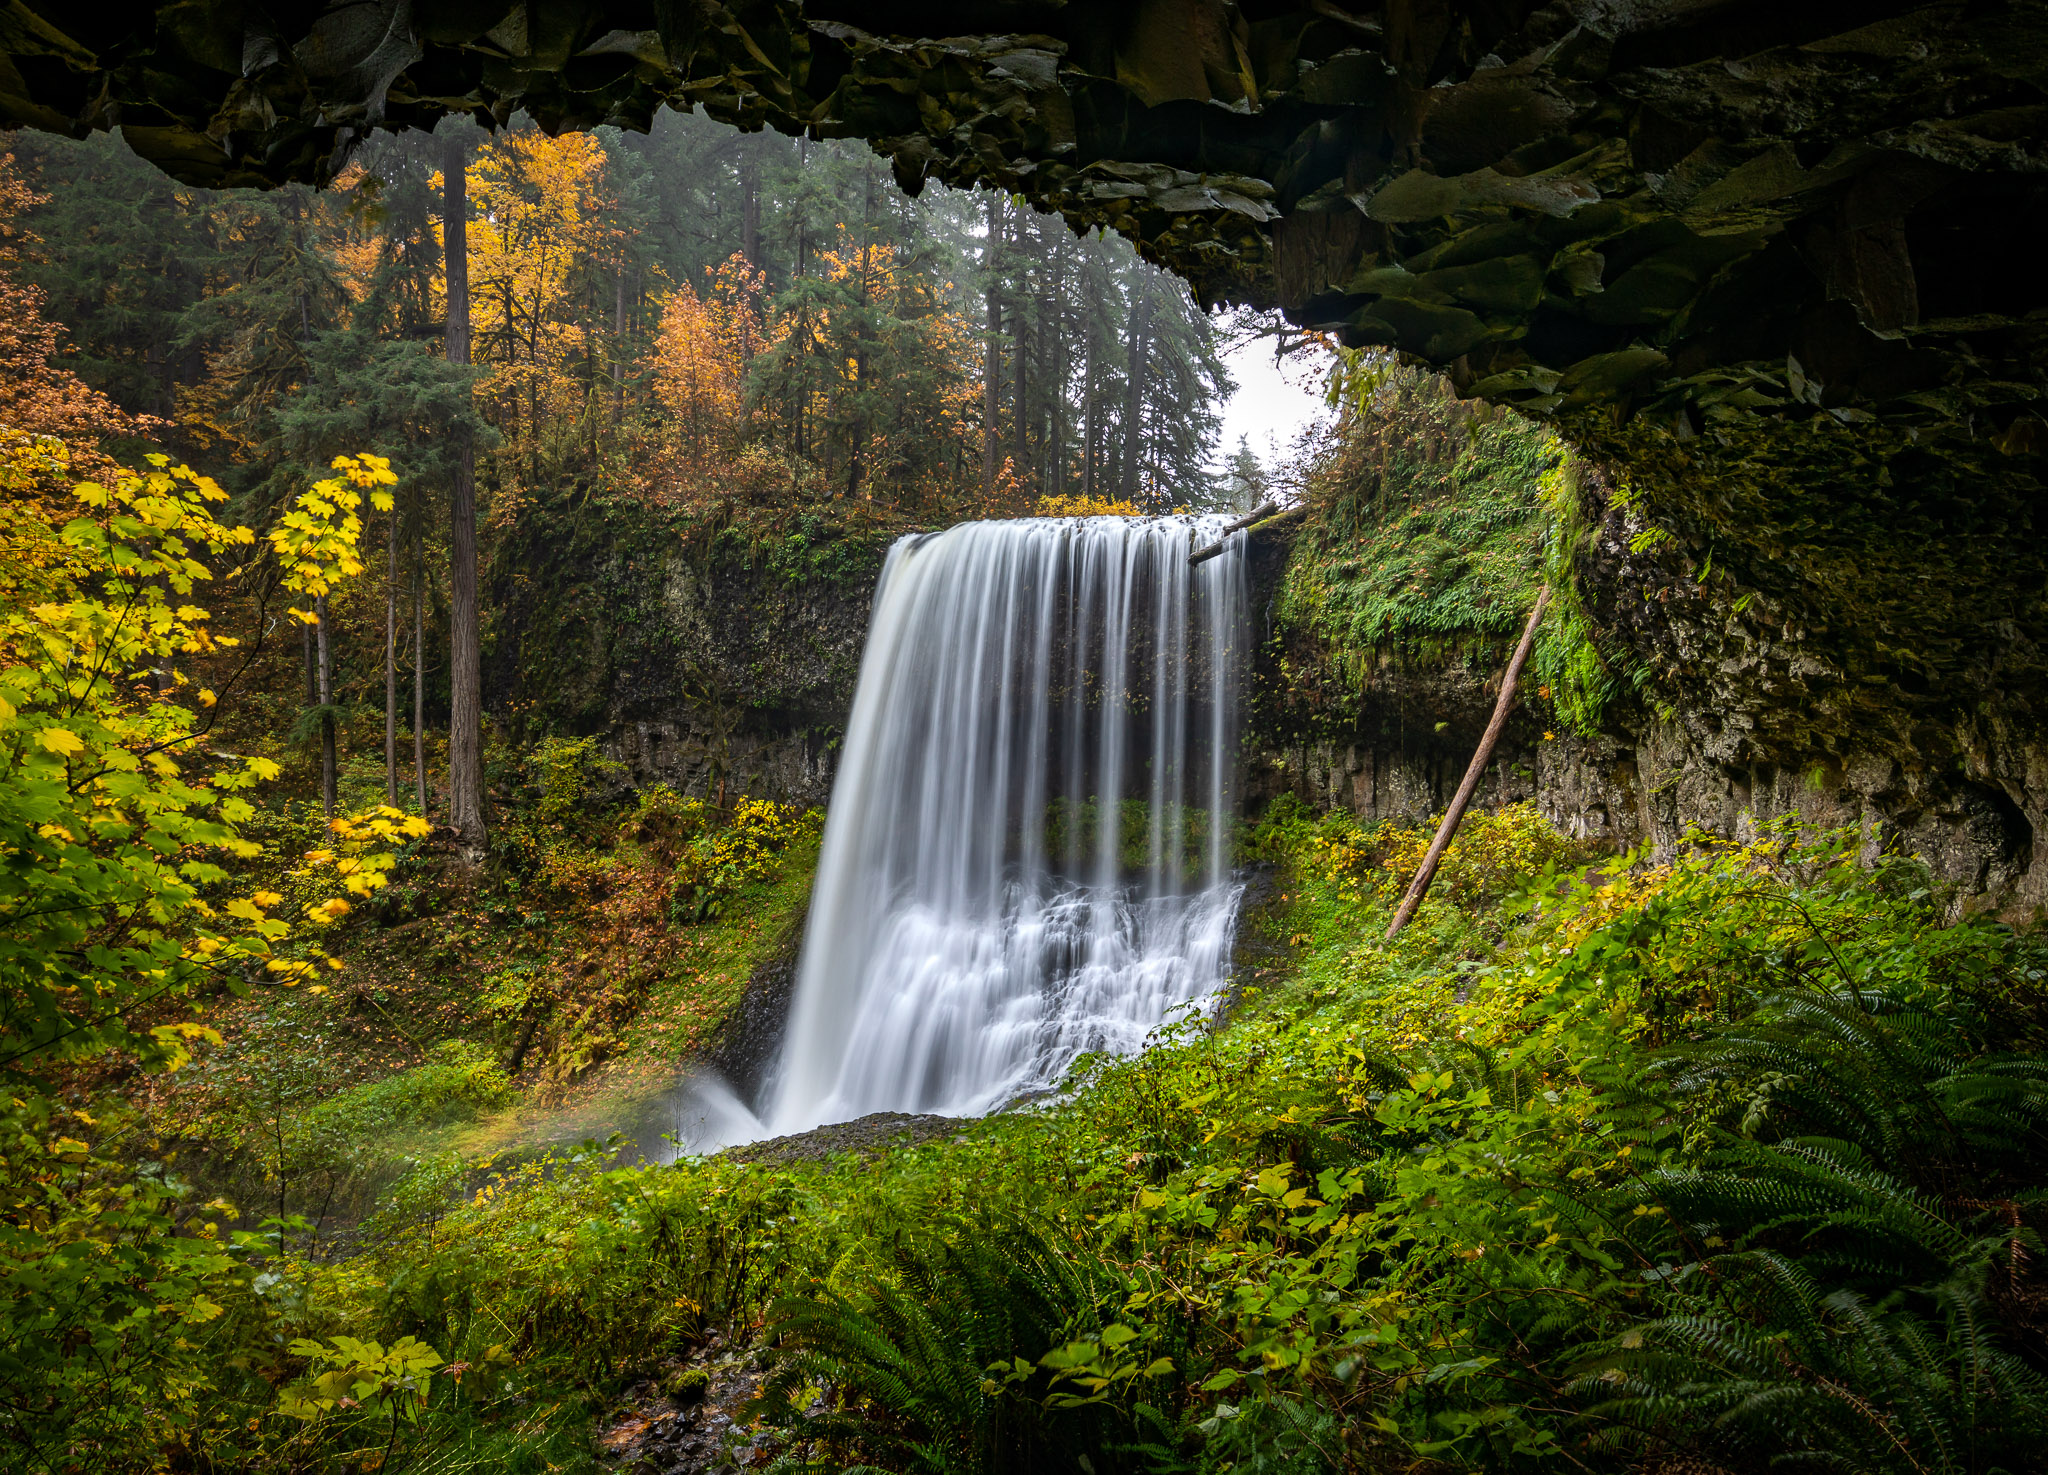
x=1599, y=1165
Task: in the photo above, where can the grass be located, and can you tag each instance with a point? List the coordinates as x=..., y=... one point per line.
x=714, y=961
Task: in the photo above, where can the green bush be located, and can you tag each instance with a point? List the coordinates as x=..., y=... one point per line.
x=457, y=1081
x=937, y=1366
x=118, y=1334
x=1730, y=1160
x=719, y=864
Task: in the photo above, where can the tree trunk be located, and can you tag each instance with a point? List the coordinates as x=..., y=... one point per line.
x=1503, y=704
x=750, y=205
x=855, y=459
x=312, y=668
x=465, y=678
x=619, y=348
x=327, y=755
x=992, y=354
x=1052, y=383
x=391, y=668
x=1092, y=355
x=419, y=662
x=1020, y=352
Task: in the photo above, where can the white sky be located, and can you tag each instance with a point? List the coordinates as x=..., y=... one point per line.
x=1273, y=403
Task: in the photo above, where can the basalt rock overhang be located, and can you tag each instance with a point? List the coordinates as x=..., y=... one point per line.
x=1677, y=209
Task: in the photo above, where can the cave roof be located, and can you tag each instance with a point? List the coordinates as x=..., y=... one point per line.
x=1683, y=210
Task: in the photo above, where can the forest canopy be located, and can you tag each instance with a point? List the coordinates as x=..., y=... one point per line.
x=645, y=307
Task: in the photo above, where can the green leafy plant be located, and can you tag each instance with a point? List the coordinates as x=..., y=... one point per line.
x=948, y=1365
x=1861, y=1207
x=718, y=864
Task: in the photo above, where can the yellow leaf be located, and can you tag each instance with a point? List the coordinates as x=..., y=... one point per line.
x=206, y=696
x=57, y=740
x=188, y=1030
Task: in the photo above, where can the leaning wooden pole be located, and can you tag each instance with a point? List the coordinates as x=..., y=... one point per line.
x=1504, y=704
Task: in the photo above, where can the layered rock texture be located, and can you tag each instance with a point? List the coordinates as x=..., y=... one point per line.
x=702, y=661
x=1651, y=204
x=1760, y=735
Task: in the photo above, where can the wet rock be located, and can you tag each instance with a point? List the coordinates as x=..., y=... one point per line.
x=691, y=1419
x=869, y=1136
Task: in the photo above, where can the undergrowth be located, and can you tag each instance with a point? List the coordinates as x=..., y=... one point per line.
x=1733, y=1160
x=1729, y=1159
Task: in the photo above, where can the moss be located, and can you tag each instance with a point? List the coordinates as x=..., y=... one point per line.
x=1907, y=567
x=687, y=1385
x=1435, y=524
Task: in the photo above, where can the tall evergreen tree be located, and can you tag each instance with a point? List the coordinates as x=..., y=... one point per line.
x=465, y=659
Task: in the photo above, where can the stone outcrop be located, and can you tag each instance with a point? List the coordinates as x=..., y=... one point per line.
x=1762, y=723
x=689, y=658
x=675, y=655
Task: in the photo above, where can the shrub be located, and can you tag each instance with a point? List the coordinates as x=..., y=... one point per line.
x=458, y=1080
x=1082, y=506
x=1492, y=854
x=718, y=864
x=940, y=1367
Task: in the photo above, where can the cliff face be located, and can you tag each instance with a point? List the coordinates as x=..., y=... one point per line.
x=1763, y=708
x=697, y=658
x=1740, y=719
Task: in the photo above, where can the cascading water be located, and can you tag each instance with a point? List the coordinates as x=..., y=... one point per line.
x=1025, y=858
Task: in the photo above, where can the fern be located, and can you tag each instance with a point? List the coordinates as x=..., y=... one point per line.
x=1843, y=1235
x=1859, y=1066
x=907, y=1359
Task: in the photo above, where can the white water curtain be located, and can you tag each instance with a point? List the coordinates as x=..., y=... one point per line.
x=1026, y=854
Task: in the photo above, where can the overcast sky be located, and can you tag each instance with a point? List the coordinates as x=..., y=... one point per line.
x=1273, y=403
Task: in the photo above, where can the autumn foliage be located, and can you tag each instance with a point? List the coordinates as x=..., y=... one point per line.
x=702, y=351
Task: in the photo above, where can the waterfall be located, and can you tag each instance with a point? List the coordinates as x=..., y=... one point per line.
x=1026, y=856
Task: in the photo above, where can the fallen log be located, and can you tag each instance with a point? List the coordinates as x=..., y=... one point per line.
x=1271, y=515
x=1503, y=704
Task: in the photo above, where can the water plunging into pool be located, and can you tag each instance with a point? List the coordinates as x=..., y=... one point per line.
x=1026, y=856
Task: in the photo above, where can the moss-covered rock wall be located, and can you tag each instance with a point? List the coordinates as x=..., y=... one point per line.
x=1673, y=689
x=1686, y=679
x=701, y=650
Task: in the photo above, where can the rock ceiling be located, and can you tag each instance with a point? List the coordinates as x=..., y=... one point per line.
x=1678, y=208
